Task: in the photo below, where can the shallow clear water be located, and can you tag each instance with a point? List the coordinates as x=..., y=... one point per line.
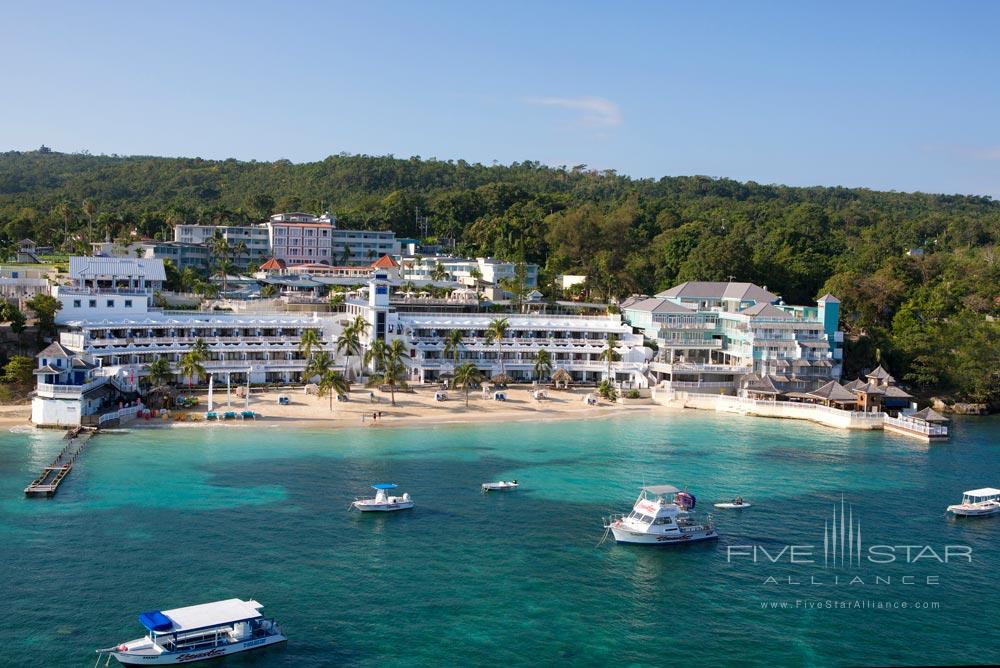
x=164, y=518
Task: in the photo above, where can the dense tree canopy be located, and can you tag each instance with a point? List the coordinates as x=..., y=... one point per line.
x=931, y=315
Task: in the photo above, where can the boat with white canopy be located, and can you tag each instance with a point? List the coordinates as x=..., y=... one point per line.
x=197, y=633
x=383, y=501
x=978, y=503
x=660, y=517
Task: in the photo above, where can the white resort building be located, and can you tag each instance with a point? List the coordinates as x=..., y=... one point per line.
x=103, y=287
x=575, y=343
x=710, y=334
x=73, y=386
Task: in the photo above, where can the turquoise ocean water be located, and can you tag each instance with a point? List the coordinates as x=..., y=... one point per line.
x=164, y=518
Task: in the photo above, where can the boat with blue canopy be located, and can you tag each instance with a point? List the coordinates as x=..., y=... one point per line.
x=197, y=633
x=383, y=501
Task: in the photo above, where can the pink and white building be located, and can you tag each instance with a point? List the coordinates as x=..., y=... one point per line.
x=300, y=238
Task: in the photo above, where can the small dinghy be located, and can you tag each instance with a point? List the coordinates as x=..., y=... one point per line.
x=500, y=485
x=736, y=504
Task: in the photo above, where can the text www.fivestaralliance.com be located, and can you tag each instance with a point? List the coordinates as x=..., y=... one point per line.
x=849, y=604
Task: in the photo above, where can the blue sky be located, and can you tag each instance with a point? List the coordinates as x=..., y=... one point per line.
x=885, y=95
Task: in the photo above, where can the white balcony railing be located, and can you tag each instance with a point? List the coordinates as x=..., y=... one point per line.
x=919, y=426
x=54, y=391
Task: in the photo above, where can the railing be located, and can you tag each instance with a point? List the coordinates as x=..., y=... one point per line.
x=128, y=292
x=702, y=343
x=872, y=416
x=690, y=367
x=919, y=426
x=57, y=391
x=121, y=414
x=685, y=385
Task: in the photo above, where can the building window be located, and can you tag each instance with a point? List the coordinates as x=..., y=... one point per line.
x=111, y=303
x=128, y=303
x=92, y=303
x=76, y=303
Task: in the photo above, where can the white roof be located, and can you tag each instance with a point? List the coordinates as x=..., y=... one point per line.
x=150, y=268
x=661, y=489
x=212, y=614
x=985, y=491
x=515, y=320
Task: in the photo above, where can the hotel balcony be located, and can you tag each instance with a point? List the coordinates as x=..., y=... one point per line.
x=692, y=367
x=700, y=344
x=50, y=391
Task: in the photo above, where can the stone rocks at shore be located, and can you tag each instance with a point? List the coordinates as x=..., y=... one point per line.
x=939, y=405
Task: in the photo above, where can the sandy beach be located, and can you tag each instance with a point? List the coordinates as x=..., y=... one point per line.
x=413, y=408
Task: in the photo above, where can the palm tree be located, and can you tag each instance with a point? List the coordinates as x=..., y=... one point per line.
x=497, y=331
x=466, y=376
x=375, y=355
x=392, y=365
x=64, y=211
x=607, y=390
x=240, y=250
x=439, y=273
x=310, y=339
x=608, y=354
x=200, y=349
x=159, y=371
x=332, y=382
x=348, y=344
x=190, y=366
x=90, y=210
x=220, y=248
x=476, y=276
x=543, y=364
x=318, y=365
x=360, y=325
x=336, y=301
x=453, y=341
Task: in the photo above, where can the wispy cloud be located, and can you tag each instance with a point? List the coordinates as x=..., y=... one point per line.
x=594, y=111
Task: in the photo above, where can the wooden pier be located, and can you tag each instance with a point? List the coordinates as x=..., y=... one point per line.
x=47, y=484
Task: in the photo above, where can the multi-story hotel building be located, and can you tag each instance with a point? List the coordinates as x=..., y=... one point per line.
x=254, y=237
x=264, y=346
x=300, y=238
x=575, y=343
x=103, y=287
x=709, y=334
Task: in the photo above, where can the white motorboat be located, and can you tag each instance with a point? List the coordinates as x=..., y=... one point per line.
x=736, y=504
x=660, y=517
x=383, y=502
x=978, y=503
x=198, y=633
x=500, y=485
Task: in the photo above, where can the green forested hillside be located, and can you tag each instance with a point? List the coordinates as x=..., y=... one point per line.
x=929, y=317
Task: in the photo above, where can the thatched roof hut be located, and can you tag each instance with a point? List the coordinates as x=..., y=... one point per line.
x=501, y=379
x=562, y=377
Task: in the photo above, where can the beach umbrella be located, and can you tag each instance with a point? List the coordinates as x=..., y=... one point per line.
x=501, y=379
